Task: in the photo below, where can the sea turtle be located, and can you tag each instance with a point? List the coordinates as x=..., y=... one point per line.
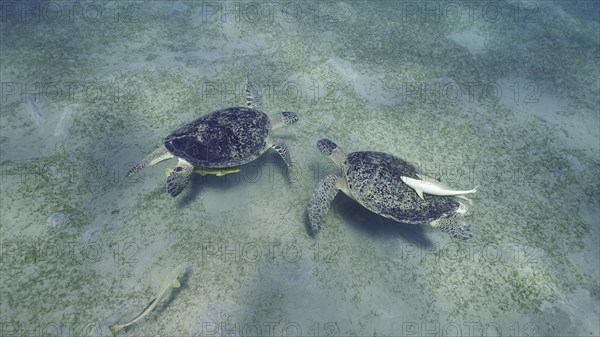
x=374, y=179
x=221, y=139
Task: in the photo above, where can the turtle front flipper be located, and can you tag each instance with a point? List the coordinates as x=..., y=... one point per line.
x=253, y=98
x=156, y=156
x=178, y=179
x=321, y=199
x=281, y=148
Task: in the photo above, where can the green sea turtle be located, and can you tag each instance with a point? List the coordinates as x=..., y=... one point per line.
x=221, y=139
x=374, y=179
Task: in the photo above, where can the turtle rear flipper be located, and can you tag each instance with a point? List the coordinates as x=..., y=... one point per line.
x=156, y=156
x=455, y=224
x=321, y=199
x=178, y=179
x=457, y=228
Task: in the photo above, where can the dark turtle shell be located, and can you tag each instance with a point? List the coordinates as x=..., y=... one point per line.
x=224, y=138
x=374, y=180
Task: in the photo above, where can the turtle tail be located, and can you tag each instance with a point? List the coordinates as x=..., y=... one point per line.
x=156, y=156
x=455, y=224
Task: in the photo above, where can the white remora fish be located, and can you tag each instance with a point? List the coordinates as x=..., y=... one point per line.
x=170, y=282
x=431, y=186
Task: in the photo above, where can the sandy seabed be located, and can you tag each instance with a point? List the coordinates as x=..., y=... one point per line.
x=503, y=95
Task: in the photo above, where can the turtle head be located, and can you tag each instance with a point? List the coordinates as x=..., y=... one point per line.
x=331, y=150
x=326, y=146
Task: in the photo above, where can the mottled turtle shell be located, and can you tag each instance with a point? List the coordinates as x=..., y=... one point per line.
x=374, y=181
x=224, y=138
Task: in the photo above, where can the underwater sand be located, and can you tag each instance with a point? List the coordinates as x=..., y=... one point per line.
x=507, y=102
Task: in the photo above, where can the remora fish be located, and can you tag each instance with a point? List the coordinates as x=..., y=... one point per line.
x=170, y=282
x=219, y=172
x=429, y=185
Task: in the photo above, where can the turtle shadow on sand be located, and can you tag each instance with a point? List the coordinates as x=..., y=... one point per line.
x=371, y=224
x=260, y=166
x=375, y=225
x=199, y=183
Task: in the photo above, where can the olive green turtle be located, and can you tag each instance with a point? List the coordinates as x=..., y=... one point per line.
x=220, y=140
x=375, y=180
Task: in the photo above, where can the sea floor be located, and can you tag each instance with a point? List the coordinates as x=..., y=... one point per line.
x=499, y=94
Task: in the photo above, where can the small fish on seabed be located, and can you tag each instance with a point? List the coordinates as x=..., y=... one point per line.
x=37, y=115
x=171, y=281
x=64, y=123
